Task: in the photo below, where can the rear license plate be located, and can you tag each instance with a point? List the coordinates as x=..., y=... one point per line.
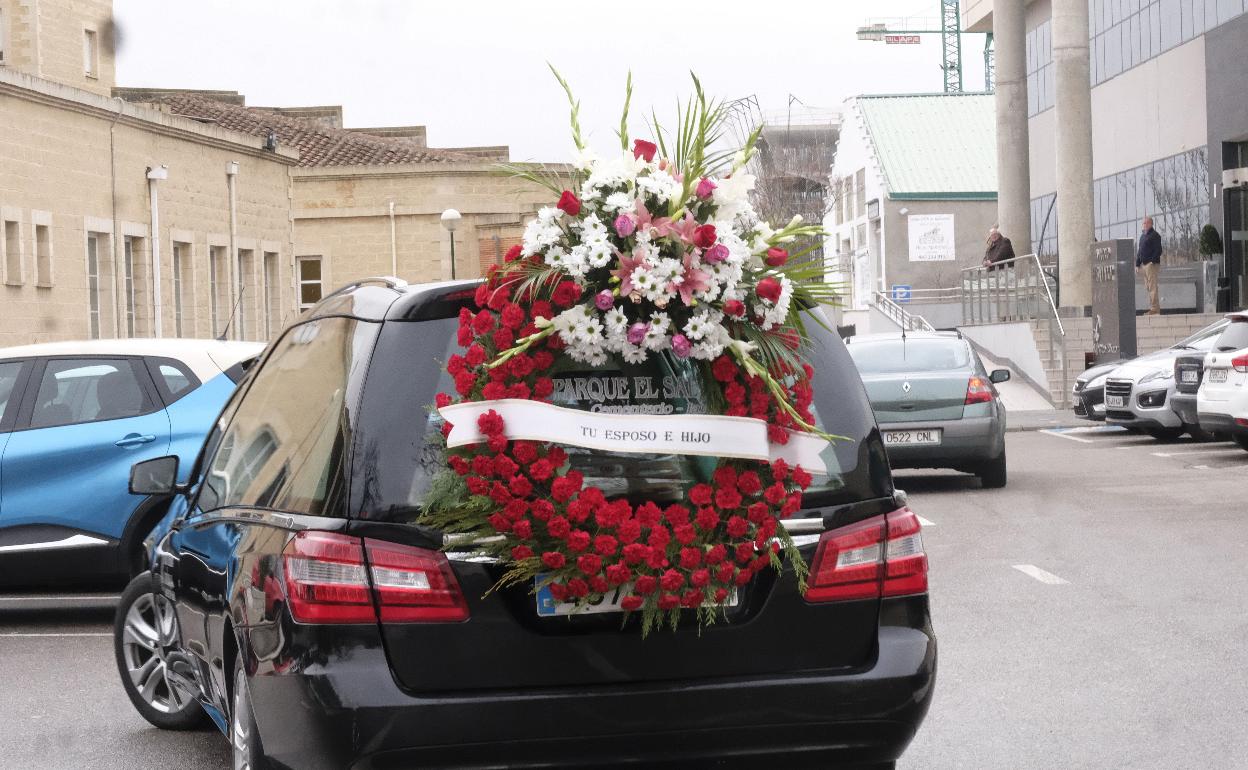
x=1189, y=376
x=549, y=607
x=916, y=437
x=1217, y=375
x=1116, y=401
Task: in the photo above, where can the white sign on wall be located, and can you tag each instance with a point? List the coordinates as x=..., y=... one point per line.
x=931, y=238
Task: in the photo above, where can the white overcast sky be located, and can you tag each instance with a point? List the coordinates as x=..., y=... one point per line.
x=474, y=71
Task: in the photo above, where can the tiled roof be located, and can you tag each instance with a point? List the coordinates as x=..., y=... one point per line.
x=934, y=145
x=318, y=144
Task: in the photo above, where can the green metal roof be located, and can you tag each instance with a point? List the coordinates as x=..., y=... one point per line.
x=934, y=146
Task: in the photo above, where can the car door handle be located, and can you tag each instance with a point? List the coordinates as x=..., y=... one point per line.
x=135, y=439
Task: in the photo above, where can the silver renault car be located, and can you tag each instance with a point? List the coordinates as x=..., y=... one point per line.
x=936, y=404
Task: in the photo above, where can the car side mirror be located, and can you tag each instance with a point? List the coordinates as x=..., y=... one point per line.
x=999, y=375
x=158, y=476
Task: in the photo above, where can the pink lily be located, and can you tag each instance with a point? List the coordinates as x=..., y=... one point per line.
x=626, y=268
x=684, y=228
x=645, y=220
x=692, y=280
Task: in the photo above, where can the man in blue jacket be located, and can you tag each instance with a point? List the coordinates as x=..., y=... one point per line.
x=1148, y=259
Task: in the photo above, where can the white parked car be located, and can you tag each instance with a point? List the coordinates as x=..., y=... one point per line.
x=1138, y=393
x=1222, y=401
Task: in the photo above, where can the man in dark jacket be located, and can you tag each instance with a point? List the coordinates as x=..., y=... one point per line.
x=999, y=249
x=1148, y=259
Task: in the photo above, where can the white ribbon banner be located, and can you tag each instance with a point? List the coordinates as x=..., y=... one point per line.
x=686, y=434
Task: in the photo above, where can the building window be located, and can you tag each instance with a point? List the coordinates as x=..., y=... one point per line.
x=272, y=293
x=93, y=284
x=43, y=255
x=218, y=288
x=1041, y=83
x=181, y=276
x=4, y=33
x=311, y=287
x=246, y=296
x=90, y=53
x=132, y=282
x=860, y=192
x=12, y=243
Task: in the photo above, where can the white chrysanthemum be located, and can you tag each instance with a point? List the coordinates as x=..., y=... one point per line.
x=542, y=232
x=609, y=176
x=585, y=158
x=711, y=346
x=616, y=323
x=661, y=185
x=596, y=241
x=633, y=354
x=617, y=202
x=656, y=333
x=702, y=323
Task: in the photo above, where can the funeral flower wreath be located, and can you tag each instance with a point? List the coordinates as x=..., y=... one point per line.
x=655, y=251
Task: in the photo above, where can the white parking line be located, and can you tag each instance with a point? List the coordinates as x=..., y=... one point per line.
x=1066, y=435
x=49, y=634
x=1032, y=570
x=1200, y=467
x=1193, y=452
x=924, y=522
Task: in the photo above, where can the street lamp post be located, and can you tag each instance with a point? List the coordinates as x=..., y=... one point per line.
x=450, y=220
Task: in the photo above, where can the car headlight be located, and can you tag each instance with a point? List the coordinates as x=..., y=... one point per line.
x=1099, y=382
x=1158, y=376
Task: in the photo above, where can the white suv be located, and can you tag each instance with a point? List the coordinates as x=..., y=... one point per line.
x=1222, y=401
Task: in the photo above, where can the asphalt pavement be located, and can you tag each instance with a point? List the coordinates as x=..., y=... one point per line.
x=1091, y=614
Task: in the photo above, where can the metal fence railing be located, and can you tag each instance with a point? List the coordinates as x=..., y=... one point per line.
x=911, y=322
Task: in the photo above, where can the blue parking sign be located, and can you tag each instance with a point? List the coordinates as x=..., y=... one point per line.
x=901, y=292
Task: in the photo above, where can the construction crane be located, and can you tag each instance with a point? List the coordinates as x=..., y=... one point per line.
x=906, y=31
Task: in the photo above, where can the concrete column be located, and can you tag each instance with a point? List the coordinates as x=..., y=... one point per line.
x=1074, y=151
x=1013, y=164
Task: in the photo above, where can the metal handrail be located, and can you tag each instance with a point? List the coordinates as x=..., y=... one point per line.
x=904, y=318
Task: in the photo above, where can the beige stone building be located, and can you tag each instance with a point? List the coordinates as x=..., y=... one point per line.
x=140, y=212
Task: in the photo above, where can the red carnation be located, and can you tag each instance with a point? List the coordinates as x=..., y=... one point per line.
x=646, y=585
x=553, y=559
x=524, y=451
x=776, y=257
x=605, y=545
x=768, y=289
x=465, y=382
x=559, y=591
x=635, y=553
x=649, y=514
x=500, y=522
x=737, y=526
x=513, y=316
x=589, y=564
x=701, y=494
x=543, y=510
x=520, y=366
x=558, y=526
x=541, y=309
x=578, y=588
x=502, y=465
x=671, y=580
x=775, y=493
x=743, y=577
x=521, y=552
x=744, y=552
x=778, y=434
x=723, y=573
x=749, y=483
x=493, y=391
x=727, y=498
x=690, y=558
x=498, y=299
x=483, y=322
x=464, y=336
x=644, y=150
x=458, y=464
x=669, y=602
x=724, y=369
x=490, y=423
x=707, y=519
x=717, y=554
x=562, y=488
x=578, y=541
x=456, y=363
x=497, y=443
x=801, y=477
x=522, y=529
x=543, y=387
x=541, y=469
x=629, y=531
x=704, y=236
x=691, y=598
x=676, y=514
x=520, y=486
x=442, y=400
x=503, y=338
x=725, y=476
x=618, y=573
x=780, y=469
x=631, y=603
x=685, y=534
x=660, y=536
x=566, y=294
x=720, y=595
x=734, y=308
x=758, y=512
x=476, y=485
x=569, y=203
x=700, y=577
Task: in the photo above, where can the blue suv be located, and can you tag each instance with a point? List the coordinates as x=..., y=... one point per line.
x=74, y=416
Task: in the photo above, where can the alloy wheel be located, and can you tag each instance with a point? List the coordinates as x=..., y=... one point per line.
x=147, y=634
x=240, y=723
